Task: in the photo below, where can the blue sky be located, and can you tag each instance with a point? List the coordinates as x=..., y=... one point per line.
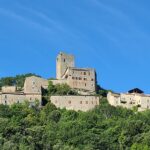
x=111, y=36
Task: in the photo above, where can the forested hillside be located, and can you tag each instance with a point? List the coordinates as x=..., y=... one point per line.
x=104, y=128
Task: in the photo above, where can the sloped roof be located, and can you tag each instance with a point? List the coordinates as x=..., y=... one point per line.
x=136, y=90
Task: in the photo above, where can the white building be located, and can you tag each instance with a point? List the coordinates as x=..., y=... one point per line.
x=134, y=98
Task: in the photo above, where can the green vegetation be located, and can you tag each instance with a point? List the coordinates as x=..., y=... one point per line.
x=104, y=128
x=60, y=89
x=101, y=91
x=18, y=80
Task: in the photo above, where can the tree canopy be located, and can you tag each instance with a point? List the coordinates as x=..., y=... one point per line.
x=49, y=128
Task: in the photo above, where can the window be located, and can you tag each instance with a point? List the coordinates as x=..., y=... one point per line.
x=64, y=60
x=5, y=96
x=80, y=78
x=86, y=102
x=85, y=79
x=5, y=102
x=80, y=102
x=85, y=84
x=89, y=73
x=69, y=102
x=92, y=79
x=33, y=82
x=84, y=73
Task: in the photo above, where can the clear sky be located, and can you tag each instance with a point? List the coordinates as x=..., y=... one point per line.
x=112, y=36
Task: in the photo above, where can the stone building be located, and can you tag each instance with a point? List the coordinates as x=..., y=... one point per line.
x=83, y=79
x=10, y=95
x=63, y=61
x=76, y=103
x=32, y=91
x=130, y=100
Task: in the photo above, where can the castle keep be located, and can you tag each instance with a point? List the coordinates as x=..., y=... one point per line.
x=82, y=80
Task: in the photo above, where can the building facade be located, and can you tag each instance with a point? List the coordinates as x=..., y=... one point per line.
x=32, y=91
x=83, y=79
x=83, y=103
x=129, y=100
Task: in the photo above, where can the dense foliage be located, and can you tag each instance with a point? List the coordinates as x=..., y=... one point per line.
x=60, y=89
x=18, y=80
x=104, y=128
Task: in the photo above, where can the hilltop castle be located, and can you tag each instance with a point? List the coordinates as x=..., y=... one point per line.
x=82, y=80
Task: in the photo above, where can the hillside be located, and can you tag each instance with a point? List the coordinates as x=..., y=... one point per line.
x=105, y=127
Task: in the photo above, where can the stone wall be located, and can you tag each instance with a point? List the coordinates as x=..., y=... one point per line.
x=63, y=61
x=9, y=89
x=11, y=98
x=81, y=78
x=83, y=103
x=18, y=97
x=59, y=81
x=33, y=85
x=32, y=97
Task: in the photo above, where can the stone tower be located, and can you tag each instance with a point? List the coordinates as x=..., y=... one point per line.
x=62, y=63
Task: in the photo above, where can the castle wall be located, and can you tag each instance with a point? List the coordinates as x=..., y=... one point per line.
x=10, y=89
x=33, y=85
x=11, y=98
x=83, y=103
x=32, y=97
